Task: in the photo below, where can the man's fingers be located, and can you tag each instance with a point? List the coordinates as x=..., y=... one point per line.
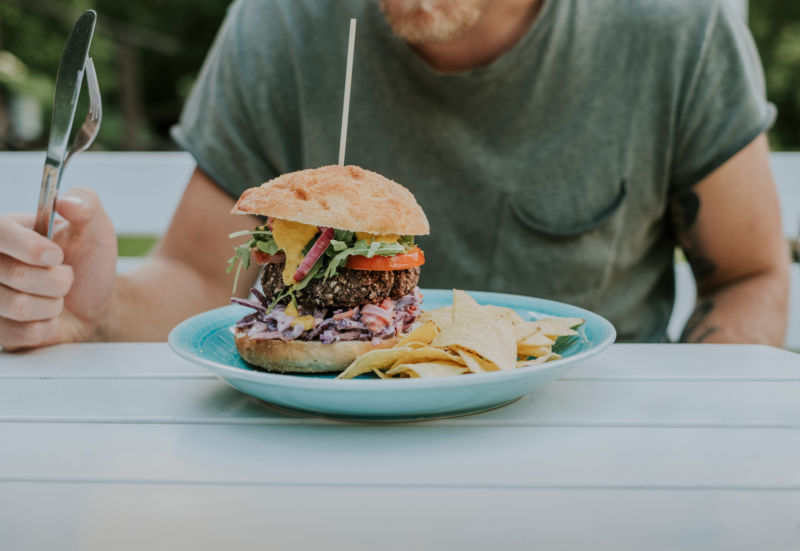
x=15, y=335
x=18, y=306
x=48, y=282
x=26, y=245
x=25, y=218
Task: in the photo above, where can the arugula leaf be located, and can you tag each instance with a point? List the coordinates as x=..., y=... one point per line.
x=406, y=240
x=240, y=259
x=269, y=247
x=248, y=232
x=343, y=235
x=260, y=238
x=279, y=297
x=337, y=245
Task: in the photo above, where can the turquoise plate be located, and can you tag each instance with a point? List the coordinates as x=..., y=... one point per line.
x=206, y=340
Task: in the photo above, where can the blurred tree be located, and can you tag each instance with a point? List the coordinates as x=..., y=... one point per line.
x=147, y=54
x=776, y=29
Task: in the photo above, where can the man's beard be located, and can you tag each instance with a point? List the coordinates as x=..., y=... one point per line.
x=419, y=21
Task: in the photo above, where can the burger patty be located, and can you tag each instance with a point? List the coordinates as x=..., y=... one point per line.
x=349, y=288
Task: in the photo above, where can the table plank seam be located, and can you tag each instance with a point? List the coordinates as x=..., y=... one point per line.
x=790, y=425
x=791, y=488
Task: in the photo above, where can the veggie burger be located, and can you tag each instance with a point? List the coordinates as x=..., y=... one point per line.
x=340, y=268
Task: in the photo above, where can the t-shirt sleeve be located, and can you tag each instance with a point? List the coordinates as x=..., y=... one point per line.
x=724, y=105
x=220, y=121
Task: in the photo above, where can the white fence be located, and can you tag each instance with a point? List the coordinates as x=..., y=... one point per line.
x=141, y=190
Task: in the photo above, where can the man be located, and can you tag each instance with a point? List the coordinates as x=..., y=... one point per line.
x=561, y=148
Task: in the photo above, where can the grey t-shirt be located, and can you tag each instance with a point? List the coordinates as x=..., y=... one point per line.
x=546, y=173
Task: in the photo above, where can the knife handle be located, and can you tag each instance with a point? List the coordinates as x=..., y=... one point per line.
x=47, y=201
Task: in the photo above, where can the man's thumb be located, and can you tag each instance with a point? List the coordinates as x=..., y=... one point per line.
x=78, y=205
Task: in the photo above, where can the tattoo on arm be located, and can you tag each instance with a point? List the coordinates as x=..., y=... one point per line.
x=685, y=208
x=695, y=331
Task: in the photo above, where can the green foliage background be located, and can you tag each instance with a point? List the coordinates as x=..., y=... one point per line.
x=161, y=42
x=776, y=29
x=147, y=54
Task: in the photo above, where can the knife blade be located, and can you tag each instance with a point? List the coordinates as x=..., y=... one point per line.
x=68, y=87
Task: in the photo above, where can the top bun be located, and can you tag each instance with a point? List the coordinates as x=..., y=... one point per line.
x=341, y=197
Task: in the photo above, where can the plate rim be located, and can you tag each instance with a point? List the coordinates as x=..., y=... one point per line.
x=321, y=383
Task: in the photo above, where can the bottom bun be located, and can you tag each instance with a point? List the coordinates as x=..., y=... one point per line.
x=303, y=356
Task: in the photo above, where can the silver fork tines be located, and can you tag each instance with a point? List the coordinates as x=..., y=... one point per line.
x=91, y=125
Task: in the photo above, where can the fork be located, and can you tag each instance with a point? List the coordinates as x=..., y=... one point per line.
x=83, y=139
x=91, y=125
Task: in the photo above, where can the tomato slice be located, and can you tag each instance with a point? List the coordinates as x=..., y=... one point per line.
x=261, y=257
x=412, y=258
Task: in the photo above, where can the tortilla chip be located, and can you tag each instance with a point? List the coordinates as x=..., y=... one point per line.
x=423, y=334
x=537, y=361
x=558, y=327
x=374, y=359
x=427, y=354
x=415, y=345
x=481, y=332
x=428, y=369
x=476, y=364
x=443, y=317
x=536, y=351
x=537, y=339
x=504, y=312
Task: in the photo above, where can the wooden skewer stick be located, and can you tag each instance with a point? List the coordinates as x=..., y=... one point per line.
x=348, y=78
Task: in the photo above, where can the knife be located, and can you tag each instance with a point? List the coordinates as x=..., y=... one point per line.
x=68, y=87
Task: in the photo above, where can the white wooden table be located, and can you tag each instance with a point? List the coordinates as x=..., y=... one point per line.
x=673, y=447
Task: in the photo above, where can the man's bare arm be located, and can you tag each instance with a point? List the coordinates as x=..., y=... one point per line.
x=185, y=274
x=729, y=227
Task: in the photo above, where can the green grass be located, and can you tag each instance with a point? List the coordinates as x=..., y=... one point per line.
x=135, y=245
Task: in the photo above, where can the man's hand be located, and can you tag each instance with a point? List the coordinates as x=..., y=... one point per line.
x=56, y=291
x=67, y=289
x=729, y=227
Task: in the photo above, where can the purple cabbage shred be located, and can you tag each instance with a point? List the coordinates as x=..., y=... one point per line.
x=370, y=322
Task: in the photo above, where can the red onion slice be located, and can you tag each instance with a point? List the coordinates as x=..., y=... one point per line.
x=316, y=251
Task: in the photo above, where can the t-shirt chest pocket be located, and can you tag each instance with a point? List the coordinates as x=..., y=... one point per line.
x=559, y=240
x=569, y=210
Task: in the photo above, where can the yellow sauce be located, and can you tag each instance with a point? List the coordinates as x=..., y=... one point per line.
x=291, y=310
x=291, y=238
x=306, y=321
x=370, y=237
